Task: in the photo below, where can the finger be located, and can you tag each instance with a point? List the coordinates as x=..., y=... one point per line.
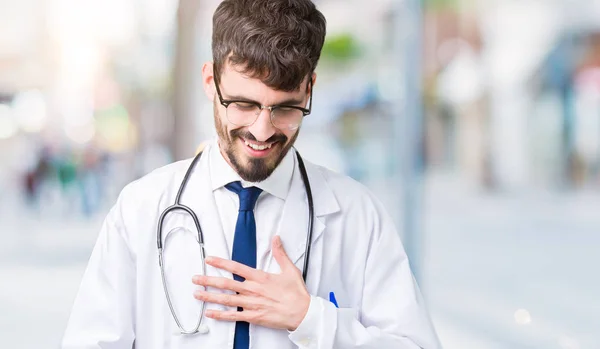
x=230, y=300
x=220, y=283
x=235, y=268
x=247, y=316
x=285, y=263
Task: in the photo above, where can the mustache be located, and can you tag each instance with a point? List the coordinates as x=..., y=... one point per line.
x=246, y=134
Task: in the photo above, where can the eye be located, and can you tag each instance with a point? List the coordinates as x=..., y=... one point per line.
x=285, y=112
x=243, y=106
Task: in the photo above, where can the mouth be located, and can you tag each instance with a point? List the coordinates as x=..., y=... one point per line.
x=258, y=149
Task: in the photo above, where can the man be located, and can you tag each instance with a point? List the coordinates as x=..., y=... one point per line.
x=249, y=196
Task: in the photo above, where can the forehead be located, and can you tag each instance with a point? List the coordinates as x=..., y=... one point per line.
x=235, y=82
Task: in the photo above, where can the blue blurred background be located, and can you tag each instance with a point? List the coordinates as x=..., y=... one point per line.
x=476, y=122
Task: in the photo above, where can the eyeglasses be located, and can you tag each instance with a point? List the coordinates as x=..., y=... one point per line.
x=245, y=112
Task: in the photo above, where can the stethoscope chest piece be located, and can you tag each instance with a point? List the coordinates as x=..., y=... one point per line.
x=202, y=329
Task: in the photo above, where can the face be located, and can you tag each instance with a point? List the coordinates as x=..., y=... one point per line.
x=254, y=151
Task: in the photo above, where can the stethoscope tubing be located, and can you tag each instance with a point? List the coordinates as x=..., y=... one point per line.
x=178, y=206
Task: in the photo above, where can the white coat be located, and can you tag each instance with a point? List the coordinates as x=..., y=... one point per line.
x=356, y=253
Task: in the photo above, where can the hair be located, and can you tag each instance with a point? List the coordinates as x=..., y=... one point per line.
x=277, y=41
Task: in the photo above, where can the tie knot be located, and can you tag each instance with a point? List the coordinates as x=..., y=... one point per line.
x=248, y=196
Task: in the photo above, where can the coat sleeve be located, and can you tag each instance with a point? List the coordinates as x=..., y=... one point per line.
x=391, y=313
x=103, y=313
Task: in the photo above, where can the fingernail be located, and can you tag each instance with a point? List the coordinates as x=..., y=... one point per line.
x=209, y=259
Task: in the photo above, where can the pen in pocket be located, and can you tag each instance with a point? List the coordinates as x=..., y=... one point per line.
x=332, y=299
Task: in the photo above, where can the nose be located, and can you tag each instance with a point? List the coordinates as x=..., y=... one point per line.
x=263, y=129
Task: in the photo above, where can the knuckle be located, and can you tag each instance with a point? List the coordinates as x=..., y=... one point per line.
x=262, y=290
x=249, y=305
x=239, y=287
x=220, y=283
x=259, y=315
x=253, y=288
x=260, y=307
x=266, y=277
x=254, y=317
x=237, y=269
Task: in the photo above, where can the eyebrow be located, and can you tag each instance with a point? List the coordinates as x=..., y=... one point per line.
x=291, y=101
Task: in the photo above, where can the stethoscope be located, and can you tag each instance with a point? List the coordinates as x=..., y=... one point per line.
x=201, y=328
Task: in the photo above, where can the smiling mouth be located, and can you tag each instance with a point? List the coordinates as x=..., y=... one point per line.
x=258, y=147
x=259, y=150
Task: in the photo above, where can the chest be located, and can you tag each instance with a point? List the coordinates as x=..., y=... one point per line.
x=337, y=263
x=267, y=218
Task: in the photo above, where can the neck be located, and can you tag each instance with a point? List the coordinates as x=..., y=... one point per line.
x=224, y=154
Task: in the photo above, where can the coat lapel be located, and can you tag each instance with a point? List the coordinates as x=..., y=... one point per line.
x=199, y=197
x=294, y=223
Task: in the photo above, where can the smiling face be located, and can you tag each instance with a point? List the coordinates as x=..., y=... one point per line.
x=254, y=151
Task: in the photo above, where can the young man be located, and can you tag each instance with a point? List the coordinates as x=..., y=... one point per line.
x=248, y=193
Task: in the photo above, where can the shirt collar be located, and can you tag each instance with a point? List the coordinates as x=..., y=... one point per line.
x=277, y=184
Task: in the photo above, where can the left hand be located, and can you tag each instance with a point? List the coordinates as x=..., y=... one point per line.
x=277, y=301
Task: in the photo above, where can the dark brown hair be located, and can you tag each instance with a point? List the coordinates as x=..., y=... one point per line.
x=277, y=41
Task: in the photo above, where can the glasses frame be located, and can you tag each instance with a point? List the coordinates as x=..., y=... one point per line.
x=227, y=102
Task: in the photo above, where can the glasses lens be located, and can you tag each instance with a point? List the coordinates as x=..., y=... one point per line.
x=287, y=118
x=242, y=114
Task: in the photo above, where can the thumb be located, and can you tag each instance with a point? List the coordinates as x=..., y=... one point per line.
x=279, y=253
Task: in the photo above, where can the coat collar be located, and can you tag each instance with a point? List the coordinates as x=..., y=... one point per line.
x=293, y=226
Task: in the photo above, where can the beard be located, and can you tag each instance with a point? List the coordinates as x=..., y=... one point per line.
x=251, y=169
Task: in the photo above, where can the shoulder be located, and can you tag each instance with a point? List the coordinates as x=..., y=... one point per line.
x=158, y=180
x=337, y=181
x=349, y=193
x=143, y=198
x=358, y=209
x=153, y=190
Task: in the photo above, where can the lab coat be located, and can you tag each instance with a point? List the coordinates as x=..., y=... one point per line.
x=356, y=253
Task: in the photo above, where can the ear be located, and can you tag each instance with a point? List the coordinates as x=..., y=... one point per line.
x=311, y=83
x=208, y=80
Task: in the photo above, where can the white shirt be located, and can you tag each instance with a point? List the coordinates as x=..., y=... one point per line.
x=268, y=208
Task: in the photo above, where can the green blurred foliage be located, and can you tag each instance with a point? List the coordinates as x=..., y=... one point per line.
x=341, y=47
x=440, y=4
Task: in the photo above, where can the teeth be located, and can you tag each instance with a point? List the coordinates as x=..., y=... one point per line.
x=258, y=147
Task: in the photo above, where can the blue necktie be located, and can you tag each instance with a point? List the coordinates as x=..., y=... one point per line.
x=244, y=248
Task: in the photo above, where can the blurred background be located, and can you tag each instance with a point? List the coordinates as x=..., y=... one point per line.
x=476, y=122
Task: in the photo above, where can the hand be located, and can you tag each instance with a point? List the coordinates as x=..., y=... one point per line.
x=271, y=300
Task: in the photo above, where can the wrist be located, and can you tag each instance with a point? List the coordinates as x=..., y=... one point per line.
x=303, y=306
